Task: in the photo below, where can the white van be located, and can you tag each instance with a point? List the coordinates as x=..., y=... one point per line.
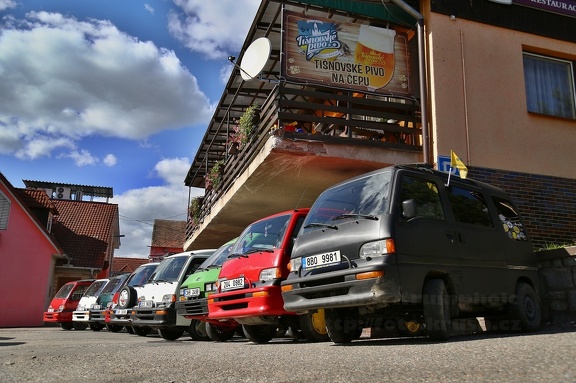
x=81, y=316
x=156, y=306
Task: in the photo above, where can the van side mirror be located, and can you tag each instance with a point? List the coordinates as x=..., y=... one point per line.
x=409, y=208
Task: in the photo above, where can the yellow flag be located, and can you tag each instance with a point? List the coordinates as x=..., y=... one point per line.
x=455, y=162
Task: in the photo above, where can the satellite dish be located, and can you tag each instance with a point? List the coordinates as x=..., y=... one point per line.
x=255, y=58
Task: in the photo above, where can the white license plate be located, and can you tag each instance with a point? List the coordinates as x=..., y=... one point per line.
x=95, y=307
x=121, y=312
x=192, y=292
x=145, y=304
x=320, y=260
x=50, y=310
x=232, y=284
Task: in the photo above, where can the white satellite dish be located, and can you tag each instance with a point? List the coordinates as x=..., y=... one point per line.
x=255, y=58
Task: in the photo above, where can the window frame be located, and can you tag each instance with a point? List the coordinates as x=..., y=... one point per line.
x=5, y=207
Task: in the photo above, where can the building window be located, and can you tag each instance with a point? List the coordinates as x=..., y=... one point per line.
x=549, y=86
x=4, y=211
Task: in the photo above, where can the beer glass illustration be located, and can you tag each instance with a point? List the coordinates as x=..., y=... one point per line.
x=375, y=52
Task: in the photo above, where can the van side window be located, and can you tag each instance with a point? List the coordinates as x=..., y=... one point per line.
x=510, y=219
x=469, y=206
x=425, y=194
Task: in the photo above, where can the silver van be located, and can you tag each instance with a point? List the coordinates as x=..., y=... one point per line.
x=407, y=245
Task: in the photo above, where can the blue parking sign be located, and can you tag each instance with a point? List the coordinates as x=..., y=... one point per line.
x=443, y=164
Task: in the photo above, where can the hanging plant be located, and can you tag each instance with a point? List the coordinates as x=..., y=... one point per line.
x=195, y=209
x=214, y=176
x=246, y=127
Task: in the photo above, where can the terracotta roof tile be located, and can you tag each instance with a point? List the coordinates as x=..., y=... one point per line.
x=168, y=233
x=126, y=265
x=36, y=199
x=84, y=229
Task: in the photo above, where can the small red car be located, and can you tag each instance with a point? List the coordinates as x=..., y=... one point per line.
x=64, y=303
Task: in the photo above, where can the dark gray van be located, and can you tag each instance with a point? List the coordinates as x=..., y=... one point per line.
x=399, y=245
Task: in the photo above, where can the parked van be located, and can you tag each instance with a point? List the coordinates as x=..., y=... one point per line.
x=406, y=241
x=193, y=299
x=65, y=302
x=249, y=282
x=103, y=302
x=81, y=316
x=118, y=315
x=157, y=298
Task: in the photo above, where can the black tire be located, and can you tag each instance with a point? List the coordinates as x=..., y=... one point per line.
x=313, y=326
x=78, y=326
x=436, y=308
x=67, y=326
x=96, y=326
x=141, y=330
x=527, y=308
x=171, y=333
x=126, y=297
x=129, y=329
x=342, y=325
x=260, y=333
x=198, y=330
x=114, y=327
x=220, y=333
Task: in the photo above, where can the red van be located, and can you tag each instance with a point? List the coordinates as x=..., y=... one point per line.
x=249, y=282
x=64, y=303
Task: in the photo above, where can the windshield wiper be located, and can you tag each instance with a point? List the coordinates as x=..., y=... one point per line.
x=213, y=267
x=258, y=250
x=235, y=255
x=163, y=280
x=365, y=216
x=316, y=224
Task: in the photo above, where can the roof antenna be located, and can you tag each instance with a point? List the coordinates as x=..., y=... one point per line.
x=302, y=196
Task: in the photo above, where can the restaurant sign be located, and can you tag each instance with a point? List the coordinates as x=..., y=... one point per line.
x=344, y=55
x=563, y=7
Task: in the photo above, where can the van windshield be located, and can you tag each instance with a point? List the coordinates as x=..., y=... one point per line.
x=169, y=269
x=264, y=235
x=367, y=197
x=64, y=291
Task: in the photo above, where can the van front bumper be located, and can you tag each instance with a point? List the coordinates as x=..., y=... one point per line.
x=154, y=317
x=343, y=288
x=254, y=302
x=58, y=316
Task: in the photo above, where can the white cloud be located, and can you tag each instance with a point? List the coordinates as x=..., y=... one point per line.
x=62, y=79
x=5, y=4
x=173, y=170
x=149, y=8
x=213, y=28
x=110, y=160
x=82, y=158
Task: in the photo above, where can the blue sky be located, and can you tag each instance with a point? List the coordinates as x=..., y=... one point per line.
x=115, y=93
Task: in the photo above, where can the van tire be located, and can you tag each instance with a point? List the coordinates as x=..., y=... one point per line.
x=436, y=308
x=141, y=330
x=261, y=333
x=527, y=308
x=96, y=326
x=67, y=326
x=220, y=333
x=342, y=326
x=313, y=326
x=126, y=297
x=171, y=333
x=198, y=330
x=114, y=327
x=78, y=326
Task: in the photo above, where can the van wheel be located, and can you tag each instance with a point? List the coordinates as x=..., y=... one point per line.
x=79, y=326
x=141, y=330
x=113, y=327
x=171, y=333
x=129, y=329
x=313, y=326
x=342, y=325
x=220, y=333
x=126, y=297
x=96, y=326
x=198, y=330
x=262, y=333
x=436, y=307
x=527, y=308
x=67, y=326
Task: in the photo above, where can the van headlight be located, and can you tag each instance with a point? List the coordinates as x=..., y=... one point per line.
x=210, y=287
x=377, y=248
x=295, y=264
x=270, y=274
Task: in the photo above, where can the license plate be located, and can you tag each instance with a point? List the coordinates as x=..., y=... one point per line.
x=95, y=307
x=121, y=312
x=192, y=292
x=145, y=304
x=50, y=310
x=232, y=284
x=320, y=260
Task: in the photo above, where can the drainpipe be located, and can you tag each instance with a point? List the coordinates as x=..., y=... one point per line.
x=422, y=73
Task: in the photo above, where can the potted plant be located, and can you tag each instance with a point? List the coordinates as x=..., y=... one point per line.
x=246, y=127
x=214, y=176
x=195, y=209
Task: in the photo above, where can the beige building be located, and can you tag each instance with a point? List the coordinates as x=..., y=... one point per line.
x=492, y=81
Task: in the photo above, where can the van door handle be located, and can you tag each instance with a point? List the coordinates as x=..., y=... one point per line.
x=450, y=236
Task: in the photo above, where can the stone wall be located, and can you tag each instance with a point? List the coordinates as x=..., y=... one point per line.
x=558, y=276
